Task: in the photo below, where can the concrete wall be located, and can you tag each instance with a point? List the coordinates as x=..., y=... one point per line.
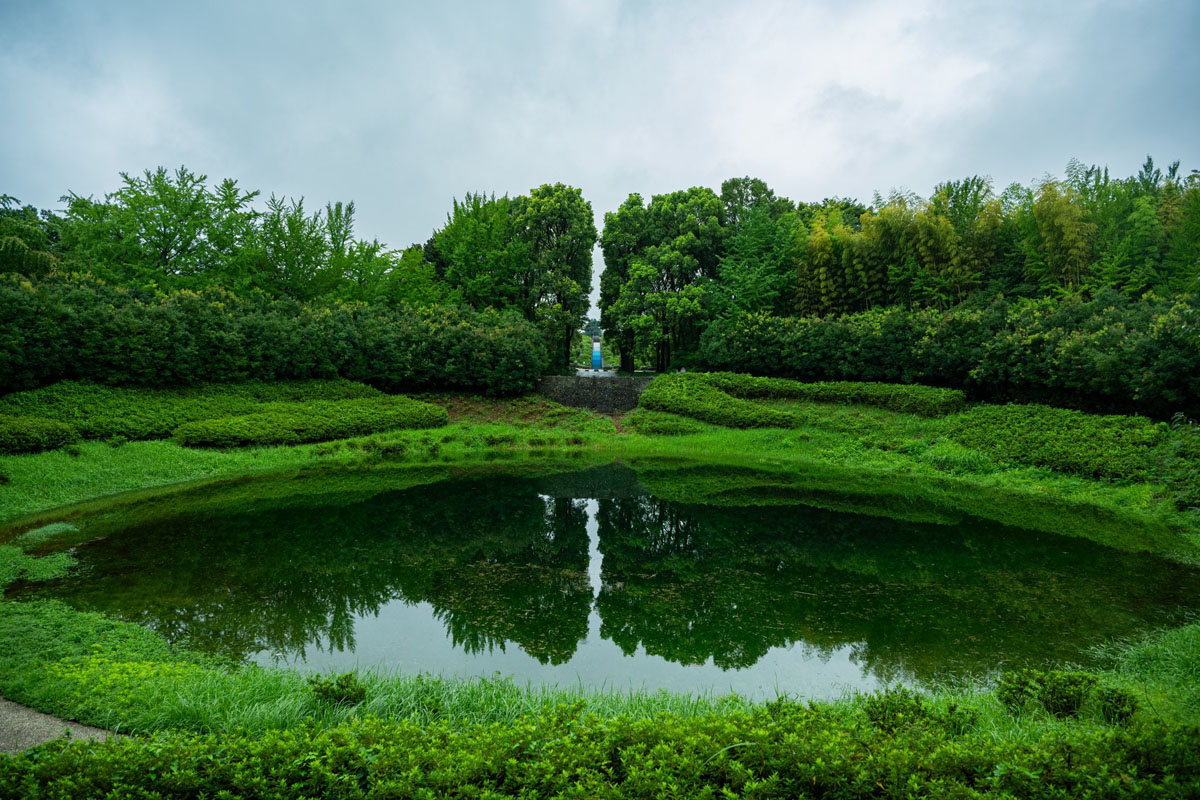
x=608, y=395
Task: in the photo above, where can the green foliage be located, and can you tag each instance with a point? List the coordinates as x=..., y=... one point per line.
x=691, y=395
x=529, y=253
x=78, y=328
x=27, y=434
x=1061, y=439
x=894, y=708
x=928, y=401
x=787, y=752
x=1106, y=354
x=339, y=690
x=660, y=423
x=1116, y=705
x=1063, y=693
x=106, y=412
x=317, y=421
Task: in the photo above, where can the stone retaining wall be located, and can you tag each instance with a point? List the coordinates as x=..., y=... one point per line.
x=608, y=395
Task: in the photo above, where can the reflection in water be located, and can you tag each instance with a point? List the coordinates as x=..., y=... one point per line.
x=530, y=577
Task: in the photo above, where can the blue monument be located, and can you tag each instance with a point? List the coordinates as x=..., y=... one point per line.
x=597, y=359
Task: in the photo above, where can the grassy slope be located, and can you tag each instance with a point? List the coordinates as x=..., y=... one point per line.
x=853, y=446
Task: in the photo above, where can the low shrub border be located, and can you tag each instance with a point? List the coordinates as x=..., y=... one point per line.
x=928, y=401
x=297, y=423
x=102, y=412
x=691, y=395
x=1060, y=439
x=21, y=434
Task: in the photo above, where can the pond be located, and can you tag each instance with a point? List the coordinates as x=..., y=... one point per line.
x=612, y=578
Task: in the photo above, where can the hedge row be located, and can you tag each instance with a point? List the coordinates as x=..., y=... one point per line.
x=77, y=328
x=318, y=421
x=1063, y=440
x=24, y=434
x=660, y=423
x=101, y=412
x=927, y=401
x=780, y=750
x=1108, y=354
x=692, y=395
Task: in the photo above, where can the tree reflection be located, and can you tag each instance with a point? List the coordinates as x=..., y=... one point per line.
x=502, y=564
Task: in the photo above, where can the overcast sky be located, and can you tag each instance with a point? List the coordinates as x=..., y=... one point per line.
x=401, y=107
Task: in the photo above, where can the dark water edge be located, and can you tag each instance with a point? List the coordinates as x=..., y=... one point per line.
x=686, y=578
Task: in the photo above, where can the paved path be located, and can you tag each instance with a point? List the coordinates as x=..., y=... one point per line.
x=22, y=728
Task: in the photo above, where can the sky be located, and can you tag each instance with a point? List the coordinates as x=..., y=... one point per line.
x=402, y=106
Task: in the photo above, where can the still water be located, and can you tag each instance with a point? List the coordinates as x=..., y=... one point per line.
x=594, y=578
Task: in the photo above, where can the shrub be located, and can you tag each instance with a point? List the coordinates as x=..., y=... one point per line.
x=297, y=423
x=805, y=752
x=1111, y=353
x=21, y=434
x=1064, y=693
x=1016, y=689
x=108, y=412
x=928, y=401
x=691, y=395
x=1061, y=439
x=894, y=708
x=342, y=690
x=1117, y=706
x=73, y=327
x=660, y=423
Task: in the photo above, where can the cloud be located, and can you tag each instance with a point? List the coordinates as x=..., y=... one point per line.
x=401, y=108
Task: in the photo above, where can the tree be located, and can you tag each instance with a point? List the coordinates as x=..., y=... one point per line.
x=532, y=253
x=677, y=242
x=558, y=226
x=161, y=228
x=759, y=266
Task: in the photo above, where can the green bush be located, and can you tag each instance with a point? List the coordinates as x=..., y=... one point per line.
x=109, y=412
x=1064, y=693
x=22, y=434
x=895, y=708
x=691, y=395
x=340, y=690
x=928, y=401
x=1111, y=353
x=794, y=752
x=297, y=423
x=1061, y=439
x=77, y=328
x=1117, y=705
x=660, y=423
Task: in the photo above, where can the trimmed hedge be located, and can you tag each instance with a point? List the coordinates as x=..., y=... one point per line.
x=928, y=401
x=1061, y=439
x=21, y=434
x=692, y=395
x=78, y=328
x=297, y=423
x=660, y=423
x=779, y=750
x=101, y=412
x=1111, y=353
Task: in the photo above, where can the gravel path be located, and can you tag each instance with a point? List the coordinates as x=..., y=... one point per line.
x=22, y=728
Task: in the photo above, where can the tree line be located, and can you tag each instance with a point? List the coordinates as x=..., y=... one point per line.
x=169, y=231
x=682, y=260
